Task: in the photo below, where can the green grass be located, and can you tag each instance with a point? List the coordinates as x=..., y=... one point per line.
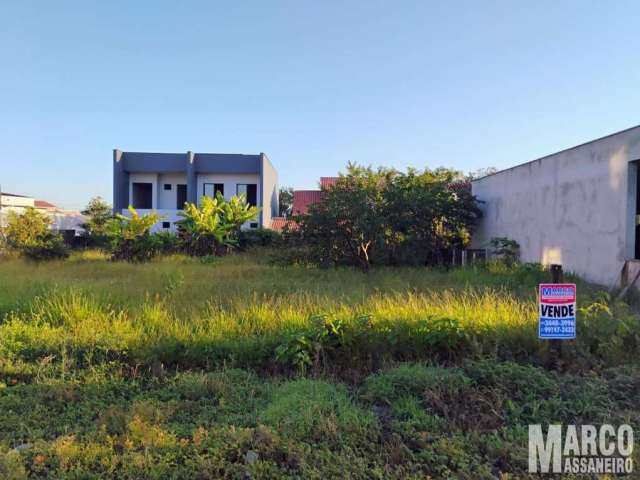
x=238, y=310
x=235, y=367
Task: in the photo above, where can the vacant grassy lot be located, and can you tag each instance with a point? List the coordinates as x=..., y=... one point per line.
x=239, y=369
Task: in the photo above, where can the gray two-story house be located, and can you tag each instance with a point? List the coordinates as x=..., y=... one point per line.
x=163, y=182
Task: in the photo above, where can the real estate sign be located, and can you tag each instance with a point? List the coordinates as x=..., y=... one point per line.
x=557, y=307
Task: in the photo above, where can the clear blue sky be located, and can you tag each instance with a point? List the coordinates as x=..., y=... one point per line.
x=313, y=84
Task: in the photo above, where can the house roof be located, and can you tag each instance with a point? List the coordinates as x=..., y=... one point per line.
x=14, y=195
x=43, y=204
x=302, y=199
x=278, y=223
x=326, y=182
x=203, y=162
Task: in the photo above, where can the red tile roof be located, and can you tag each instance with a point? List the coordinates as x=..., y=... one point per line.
x=43, y=204
x=278, y=223
x=460, y=185
x=326, y=182
x=302, y=199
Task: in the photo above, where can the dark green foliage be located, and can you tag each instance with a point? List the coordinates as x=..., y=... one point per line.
x=98, y=213
x=285, y=201
x=130, y=236
x=314, y=347
x=165, y=243
x=134, y=250
x=345, y=225
x=412, y=421
x=505, y=249
x=385, y=217
x=409, y=379
x=428, y=213
x=258, y=237
x=49, y=246
x=213, y=226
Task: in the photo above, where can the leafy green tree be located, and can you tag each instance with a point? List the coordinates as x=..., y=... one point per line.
x=386, y=217
x=29, y=233
x=505, y=249
x=130, y=236
x=212, y=228
x=428, y=213
x=346, y=224
x=285, y=201
x=27, y=228
x=98, y=213
x=50, y=246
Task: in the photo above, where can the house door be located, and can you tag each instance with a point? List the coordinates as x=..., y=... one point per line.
x=181, y=196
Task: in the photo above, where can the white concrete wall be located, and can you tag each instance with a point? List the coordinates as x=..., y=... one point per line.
x=9, y=201
x=575, y=207
x=60, y=220
x=164, y=201
x=167, y=215
x=17, y=209
x=67, y=220
x=270, y=189
x=230, y=181
x=167, y=198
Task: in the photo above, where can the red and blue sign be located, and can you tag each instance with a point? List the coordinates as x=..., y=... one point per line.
x=557, y=305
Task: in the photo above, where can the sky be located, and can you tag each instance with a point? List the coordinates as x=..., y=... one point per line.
x=313, y=84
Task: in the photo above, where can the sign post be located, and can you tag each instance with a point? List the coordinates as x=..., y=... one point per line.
x=557, y=309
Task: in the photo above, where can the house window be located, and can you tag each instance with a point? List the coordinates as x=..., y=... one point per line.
x=253, y=225
x=167, y=186
x=181, y=196
x=142, y=195
x=210, y=189
x=250, y=191
x=166, y=224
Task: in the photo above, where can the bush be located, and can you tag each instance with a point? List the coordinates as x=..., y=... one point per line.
x=257, y=237
x=29, y=234
x=50, y=247
x=98, y=213
x=165, y=243
x=130, y=238
x=505, y=249
x=27, y=228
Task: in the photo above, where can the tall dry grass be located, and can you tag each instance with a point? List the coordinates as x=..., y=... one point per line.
x=238, y=310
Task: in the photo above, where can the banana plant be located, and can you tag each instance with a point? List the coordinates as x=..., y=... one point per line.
x=130, y=236
x=214, y=224
x=132, y=226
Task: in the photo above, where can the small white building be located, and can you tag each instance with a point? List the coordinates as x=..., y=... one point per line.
x=163, y=182
x=61, y=219
x=579, y=208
